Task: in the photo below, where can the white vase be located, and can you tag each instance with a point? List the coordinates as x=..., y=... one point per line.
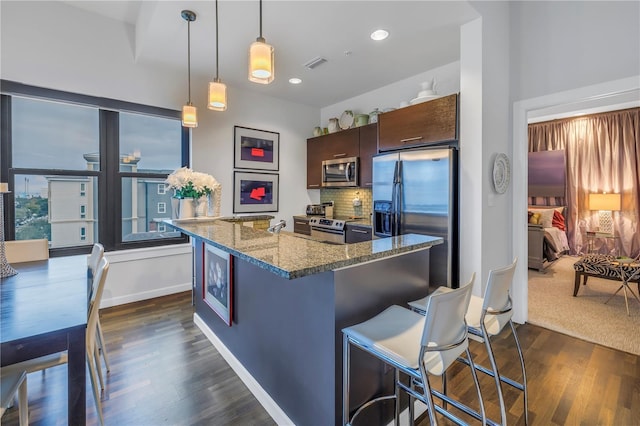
x=202, y=206
x=187, y=208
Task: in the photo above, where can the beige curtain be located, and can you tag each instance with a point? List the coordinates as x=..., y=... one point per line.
x=603, y=155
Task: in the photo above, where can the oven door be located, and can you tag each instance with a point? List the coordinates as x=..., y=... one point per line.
x=328, y=235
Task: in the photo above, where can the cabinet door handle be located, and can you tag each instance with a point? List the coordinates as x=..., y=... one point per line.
x=315, y=185
x=301, y=223
x=344, y=154
x=417, y=138
x=368, y=184
x=359, y=231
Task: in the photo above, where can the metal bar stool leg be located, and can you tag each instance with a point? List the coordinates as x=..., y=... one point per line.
x=346, y=359
x=524, y=374
x=496, y=375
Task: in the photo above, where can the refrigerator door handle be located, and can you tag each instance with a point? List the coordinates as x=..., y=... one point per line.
x=397, y=197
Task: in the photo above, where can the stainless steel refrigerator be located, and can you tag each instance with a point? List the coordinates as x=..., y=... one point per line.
x=416, y=191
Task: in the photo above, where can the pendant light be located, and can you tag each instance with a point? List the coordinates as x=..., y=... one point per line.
x=217, y=90
x=261, y=62
x=189, y=112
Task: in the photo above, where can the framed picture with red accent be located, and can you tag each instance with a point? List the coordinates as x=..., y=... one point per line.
x=255, y=192
x=255, y=149
x=217, y=290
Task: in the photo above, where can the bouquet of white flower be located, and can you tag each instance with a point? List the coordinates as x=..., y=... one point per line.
x=189, y=184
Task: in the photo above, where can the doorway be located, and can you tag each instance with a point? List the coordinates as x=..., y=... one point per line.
x=609, y=92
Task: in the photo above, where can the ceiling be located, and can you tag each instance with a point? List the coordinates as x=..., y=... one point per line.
x=423, y=35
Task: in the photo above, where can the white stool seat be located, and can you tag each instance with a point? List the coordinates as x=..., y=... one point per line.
x=396, y=333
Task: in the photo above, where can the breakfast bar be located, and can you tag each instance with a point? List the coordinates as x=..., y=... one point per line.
x=289, y=297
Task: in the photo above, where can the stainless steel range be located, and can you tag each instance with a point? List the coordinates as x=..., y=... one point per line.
x=329, y=230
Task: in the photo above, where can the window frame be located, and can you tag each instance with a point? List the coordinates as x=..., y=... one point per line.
x=109, y=176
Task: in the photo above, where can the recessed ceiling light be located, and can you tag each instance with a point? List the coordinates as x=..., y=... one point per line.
x=378, y=35
x=295, y=80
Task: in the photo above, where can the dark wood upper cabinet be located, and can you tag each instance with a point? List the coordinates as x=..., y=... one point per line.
x=421, y=124
x=368, y=148
x=342, y=144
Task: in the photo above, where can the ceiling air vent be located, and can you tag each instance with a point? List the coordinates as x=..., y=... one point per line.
x=315, y=62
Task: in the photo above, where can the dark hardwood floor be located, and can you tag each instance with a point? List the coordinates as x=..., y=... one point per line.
x=165, y=372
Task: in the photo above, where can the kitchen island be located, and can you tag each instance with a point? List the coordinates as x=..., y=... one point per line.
x=290, y=299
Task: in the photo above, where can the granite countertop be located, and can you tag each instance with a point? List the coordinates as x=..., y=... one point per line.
x=292, y=255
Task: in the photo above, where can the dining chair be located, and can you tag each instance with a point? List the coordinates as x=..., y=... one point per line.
x=12, y=382
x=93, y=359
x=488, y=316
x=18, y=251
x=417, y=346
x=97, y=253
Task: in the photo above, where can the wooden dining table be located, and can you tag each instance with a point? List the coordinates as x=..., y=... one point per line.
x=44, y=311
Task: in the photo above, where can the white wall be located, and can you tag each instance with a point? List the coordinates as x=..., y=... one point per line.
x=558, y=46
x=447, y=82
x=64, y=48
x=213, y=145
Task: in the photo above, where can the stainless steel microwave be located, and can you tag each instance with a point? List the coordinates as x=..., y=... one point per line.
x=340, y=172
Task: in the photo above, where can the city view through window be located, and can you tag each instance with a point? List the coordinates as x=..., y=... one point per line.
x=56, y=141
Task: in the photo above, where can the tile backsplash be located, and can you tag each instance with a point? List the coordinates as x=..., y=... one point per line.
x=343, y=201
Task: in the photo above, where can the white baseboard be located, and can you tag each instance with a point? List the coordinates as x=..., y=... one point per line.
x=144, y=295
x=276, y=413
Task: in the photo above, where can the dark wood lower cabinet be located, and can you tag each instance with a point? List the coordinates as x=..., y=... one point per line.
x=301, y=225
x=357, y=234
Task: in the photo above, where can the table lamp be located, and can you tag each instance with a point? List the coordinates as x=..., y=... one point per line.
x=5, y=269
x=605, y=204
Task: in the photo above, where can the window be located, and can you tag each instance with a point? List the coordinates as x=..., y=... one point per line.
x=162, y=227
x=71, y=158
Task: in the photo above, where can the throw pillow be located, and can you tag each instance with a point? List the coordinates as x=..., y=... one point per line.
x=534, y=219
x=546, y=217
x=558, y=221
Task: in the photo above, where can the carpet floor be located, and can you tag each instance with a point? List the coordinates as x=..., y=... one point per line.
x=587, y=317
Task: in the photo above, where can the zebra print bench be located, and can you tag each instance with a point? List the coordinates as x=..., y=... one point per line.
x=603, y=266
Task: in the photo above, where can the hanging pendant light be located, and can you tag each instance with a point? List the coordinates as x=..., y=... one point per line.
x=261, y=61
x=217, y=90
x=189, y=112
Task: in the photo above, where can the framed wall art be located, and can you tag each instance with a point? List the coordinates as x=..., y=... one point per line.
x=255, y=192
x=256, y=149
x=218, y=282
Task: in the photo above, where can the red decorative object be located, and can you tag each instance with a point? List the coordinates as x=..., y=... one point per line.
x=558, y=221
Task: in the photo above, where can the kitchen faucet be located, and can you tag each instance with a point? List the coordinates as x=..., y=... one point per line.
x=275, y=229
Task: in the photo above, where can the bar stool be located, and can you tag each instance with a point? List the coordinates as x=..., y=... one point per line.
x=417, y=346
x=487, y=317
x=11, y=383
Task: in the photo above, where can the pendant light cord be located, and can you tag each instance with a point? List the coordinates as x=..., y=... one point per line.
x=260, y=18
x=189, y=57
x=217, y=40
